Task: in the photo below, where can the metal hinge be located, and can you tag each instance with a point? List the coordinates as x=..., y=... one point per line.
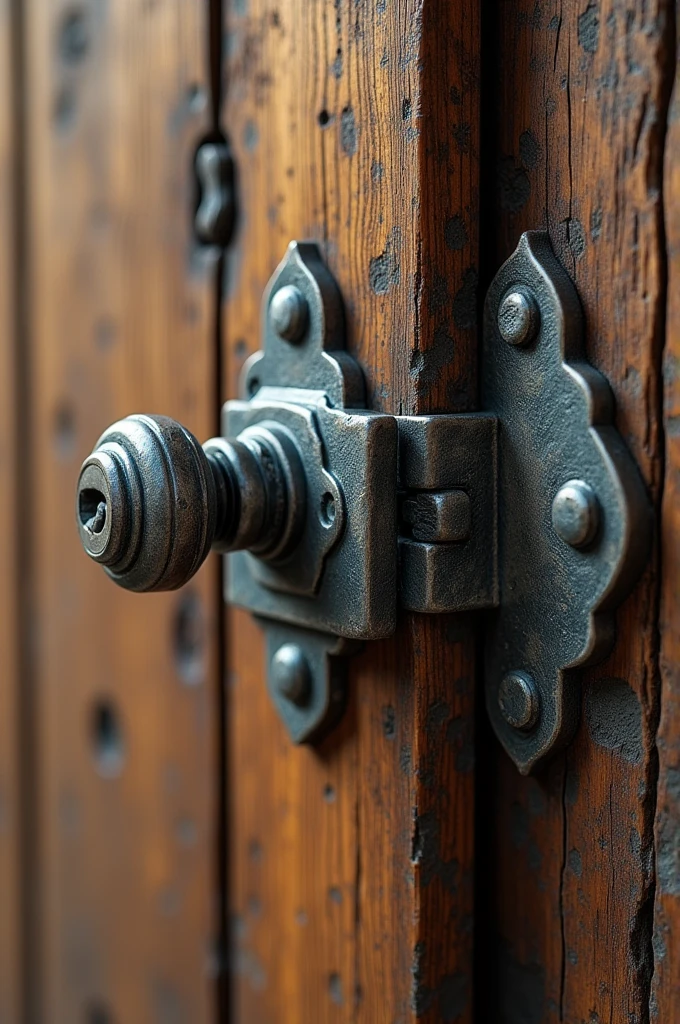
x=531, y=513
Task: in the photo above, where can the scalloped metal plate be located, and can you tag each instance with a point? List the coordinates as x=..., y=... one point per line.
x=556, y=425
x=339, y=585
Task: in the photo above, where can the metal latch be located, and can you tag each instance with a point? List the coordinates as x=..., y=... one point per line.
x=332, y=516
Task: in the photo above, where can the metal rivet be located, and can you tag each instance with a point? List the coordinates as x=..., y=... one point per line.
x=519, y=700
x=518, y=317
x=290, y=674
x=288, y=313
x=576, y=513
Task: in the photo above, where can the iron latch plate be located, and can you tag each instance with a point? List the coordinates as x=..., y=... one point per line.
x=355, y=595
x=339, y=585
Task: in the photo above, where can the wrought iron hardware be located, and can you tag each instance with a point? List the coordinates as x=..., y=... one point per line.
x=216, y=210
x=331, y=515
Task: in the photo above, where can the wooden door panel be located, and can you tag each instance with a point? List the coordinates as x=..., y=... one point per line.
x=665, y=999
x=121, y=316
x=356, y=125
x=577, y=105
x=11, y=936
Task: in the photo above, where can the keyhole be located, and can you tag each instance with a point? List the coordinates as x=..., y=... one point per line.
x=92, y=508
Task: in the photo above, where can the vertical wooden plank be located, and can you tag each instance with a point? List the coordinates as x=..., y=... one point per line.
x=576, y=119
x=10, y=744
x=356, y=124
x=122, y=310
x=665, y=1000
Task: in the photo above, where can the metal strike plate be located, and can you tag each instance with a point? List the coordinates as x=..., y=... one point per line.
x=574, y=521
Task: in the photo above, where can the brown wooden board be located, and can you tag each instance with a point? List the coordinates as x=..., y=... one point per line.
x=356, y=125
x=576, y=112
x=122, y=315
x=10, y=742
x=665, y=1001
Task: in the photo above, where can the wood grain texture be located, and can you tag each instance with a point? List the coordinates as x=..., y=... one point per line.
x=10, y=742
x=356, y=125
x=665, y=1000
x=580, y=92
x=122, y=314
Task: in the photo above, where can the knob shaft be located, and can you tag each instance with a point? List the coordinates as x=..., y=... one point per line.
x=151, y=502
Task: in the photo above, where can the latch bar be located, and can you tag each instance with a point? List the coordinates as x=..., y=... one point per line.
x=443, y=459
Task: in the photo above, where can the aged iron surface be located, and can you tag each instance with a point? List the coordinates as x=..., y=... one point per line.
x=531, y=511
x=440, y=456
x=303, y=381
x=315, y=360
x=348, y=586
x=574, y=520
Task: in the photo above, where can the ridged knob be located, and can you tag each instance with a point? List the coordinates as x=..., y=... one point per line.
x=151, y=502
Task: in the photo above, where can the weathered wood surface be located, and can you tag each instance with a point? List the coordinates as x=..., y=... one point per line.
x=122, y=314
x=665, y=1001
x=577, y=111
x=351, y=865
x=10, y=741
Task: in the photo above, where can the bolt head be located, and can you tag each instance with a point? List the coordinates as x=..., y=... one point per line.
x=290, y=674
x=576, y=513
x=519, y=701
x=518, y=317
x=289, y=313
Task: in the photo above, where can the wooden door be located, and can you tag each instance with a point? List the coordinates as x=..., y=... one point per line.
x=166, y=854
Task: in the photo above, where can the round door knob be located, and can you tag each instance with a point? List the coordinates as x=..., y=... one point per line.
x=151, y=502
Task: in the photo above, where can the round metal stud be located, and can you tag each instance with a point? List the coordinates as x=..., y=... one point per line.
x=290, y=674
x=576, y=513
x=289, y=313
x=518, y=317
x=519, y=700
